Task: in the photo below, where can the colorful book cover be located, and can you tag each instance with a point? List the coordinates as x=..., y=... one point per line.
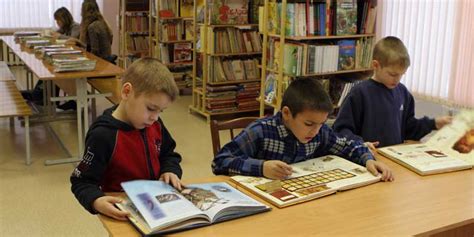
x=182, y=52
x=347, y=53
x=228, y=11
x=346, y=17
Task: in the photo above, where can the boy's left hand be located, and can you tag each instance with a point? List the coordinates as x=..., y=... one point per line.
x=441, y=121
x=171, y=178
x=376, y=166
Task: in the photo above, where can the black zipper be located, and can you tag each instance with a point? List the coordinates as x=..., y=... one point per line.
x=147, y=152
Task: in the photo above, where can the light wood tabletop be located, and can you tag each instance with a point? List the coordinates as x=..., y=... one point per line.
x=44, y=70
x=411, y=205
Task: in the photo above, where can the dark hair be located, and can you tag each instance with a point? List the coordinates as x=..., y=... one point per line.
x=63, y=15
x=303, y=94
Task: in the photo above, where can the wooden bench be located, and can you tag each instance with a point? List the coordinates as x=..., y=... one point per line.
x=5, y=73
x=108, y=85
x=12, y=105
x=105, y=85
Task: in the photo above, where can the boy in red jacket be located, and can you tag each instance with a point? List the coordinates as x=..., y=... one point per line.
x=129, y=141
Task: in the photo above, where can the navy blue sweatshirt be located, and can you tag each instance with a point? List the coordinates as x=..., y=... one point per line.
x=372, y=112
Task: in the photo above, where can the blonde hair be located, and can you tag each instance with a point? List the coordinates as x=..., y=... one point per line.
x=149, y=76
x=390, y=51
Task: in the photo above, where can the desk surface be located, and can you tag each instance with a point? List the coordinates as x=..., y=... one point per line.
x=44, y=71
x=410, y=205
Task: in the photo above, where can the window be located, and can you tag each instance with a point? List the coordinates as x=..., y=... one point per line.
x=438, y=35
x=28, y=14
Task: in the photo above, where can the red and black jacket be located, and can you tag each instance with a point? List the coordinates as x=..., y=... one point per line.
x=116, y=152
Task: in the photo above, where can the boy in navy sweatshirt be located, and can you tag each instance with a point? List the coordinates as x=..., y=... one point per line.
x=129, y=141
x=381, y=111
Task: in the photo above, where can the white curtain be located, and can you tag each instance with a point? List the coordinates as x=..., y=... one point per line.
x=30, y=14
x=461, y=91
x=430, y=30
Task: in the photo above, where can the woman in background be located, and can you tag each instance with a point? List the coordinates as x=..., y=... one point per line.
x=67, y=27
x=95, y=32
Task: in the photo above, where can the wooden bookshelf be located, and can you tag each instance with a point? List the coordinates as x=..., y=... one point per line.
x=225, y=75
x=172, y=43
x=134, y=40
x=319, y=45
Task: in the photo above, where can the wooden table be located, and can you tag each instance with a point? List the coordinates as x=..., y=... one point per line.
x=435, y=205
x=44, y=71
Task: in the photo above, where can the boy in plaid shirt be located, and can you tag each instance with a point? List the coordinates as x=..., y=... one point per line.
x=296, y=133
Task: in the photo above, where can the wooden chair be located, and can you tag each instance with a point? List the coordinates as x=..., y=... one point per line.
x=216, y=126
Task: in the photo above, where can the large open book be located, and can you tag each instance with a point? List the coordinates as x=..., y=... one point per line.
x=311, y=179
x=449, y=149
x=156, y=207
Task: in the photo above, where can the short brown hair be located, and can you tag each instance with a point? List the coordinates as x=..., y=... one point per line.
x=149, y=76
x=390, y=51
x=306, y=94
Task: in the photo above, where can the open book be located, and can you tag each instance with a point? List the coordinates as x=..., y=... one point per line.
x=311, y=179
x=449, y=149
x=157, y=207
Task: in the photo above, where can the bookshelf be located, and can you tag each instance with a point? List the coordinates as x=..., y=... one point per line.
x=226, y=77
x=328, y=39
x=134, y=30
x=172, y=24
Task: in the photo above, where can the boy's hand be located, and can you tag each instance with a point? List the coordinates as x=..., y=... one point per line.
x=171, y=178
x=275, y=169
x=105, y=205
x=372, y=146
x=376, y=166
x=441, y=121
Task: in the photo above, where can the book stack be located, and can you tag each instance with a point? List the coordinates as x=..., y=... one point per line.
x=78, y=63
x=22, y=34
x=68, y=59
x=39, y=41
x=247, y=96
x=221, y=98
x=63, y=53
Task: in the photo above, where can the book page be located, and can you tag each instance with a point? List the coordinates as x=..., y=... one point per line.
x=159, y=203
x=424, y=158
x=457, y=138
x=213, y=198
x=311, y=179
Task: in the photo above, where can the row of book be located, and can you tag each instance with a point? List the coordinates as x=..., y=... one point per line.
x=301, y=59
x=137, y=22
x=233, y=70
x=331, y=17
x=137, y=42
x=233, y=40
x=176, y=30
x=169, y=8
x=65, y=59
x=175, y=53
x=61, y=57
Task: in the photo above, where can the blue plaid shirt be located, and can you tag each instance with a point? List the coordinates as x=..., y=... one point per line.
x=269, y=139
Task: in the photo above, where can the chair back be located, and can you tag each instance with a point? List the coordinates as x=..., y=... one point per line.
x=216, y=126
